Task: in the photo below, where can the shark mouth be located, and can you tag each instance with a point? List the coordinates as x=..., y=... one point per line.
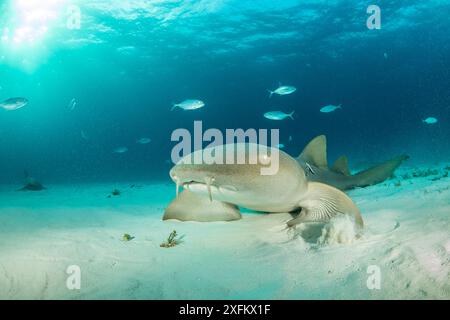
x=207, y=182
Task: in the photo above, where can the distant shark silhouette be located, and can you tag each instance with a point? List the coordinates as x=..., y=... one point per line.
x=31, y=184
x=313, y=159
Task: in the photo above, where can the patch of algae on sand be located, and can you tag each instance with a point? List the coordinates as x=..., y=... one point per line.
x=172, y=240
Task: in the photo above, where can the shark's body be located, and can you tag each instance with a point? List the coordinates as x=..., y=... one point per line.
x=244, y=185
x=31, y=184
x=279, y=193
x=313, y=160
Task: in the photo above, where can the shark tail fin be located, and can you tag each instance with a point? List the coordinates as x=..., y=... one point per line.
x=174, y=106
x=378, y=173
x=341, y=166
x=291, y=115
x=270, y=93
x=315, y=152
x=323, y=202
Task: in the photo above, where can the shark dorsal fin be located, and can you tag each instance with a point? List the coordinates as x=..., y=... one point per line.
x=341, y=166
x=315, y=152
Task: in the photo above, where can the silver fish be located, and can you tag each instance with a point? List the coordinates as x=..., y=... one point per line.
x=121, y=150
x=330, y=108
x=143, y=140
x=430, y=120
x=14, y=104
x=190, y=104
x=278, y=115
x=282, y=90
x=84, y=135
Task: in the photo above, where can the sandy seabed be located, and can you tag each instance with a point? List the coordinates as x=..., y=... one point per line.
x=407, y=238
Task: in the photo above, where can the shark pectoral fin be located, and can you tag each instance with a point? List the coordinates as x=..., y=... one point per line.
x=315, y=152
x=341, y=166
x=322, y=202
x=378, y=173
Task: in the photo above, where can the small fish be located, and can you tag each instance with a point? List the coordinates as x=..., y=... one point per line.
x=84, y=135
x=430, y=120
x=144, y=141
x=280, y=146
x=290, y=138
x=189, y=104
x=14, y=104
x=72, y=104
x=121, y=150
x=282, y=90
x=278, y=115
x=330, y=108
x=385, y=55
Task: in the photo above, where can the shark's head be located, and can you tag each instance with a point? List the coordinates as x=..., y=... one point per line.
x=243, y=184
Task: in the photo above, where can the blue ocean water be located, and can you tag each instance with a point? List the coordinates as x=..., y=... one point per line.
x=129, y=61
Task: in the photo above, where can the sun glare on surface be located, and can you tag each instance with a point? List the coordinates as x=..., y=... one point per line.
x=26, y=28
x=30, y=21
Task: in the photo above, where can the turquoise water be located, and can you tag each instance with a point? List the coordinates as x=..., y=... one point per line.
x=101, y=78
x=130, y=60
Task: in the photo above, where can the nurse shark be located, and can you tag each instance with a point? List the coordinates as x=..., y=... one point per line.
x=242, y=184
